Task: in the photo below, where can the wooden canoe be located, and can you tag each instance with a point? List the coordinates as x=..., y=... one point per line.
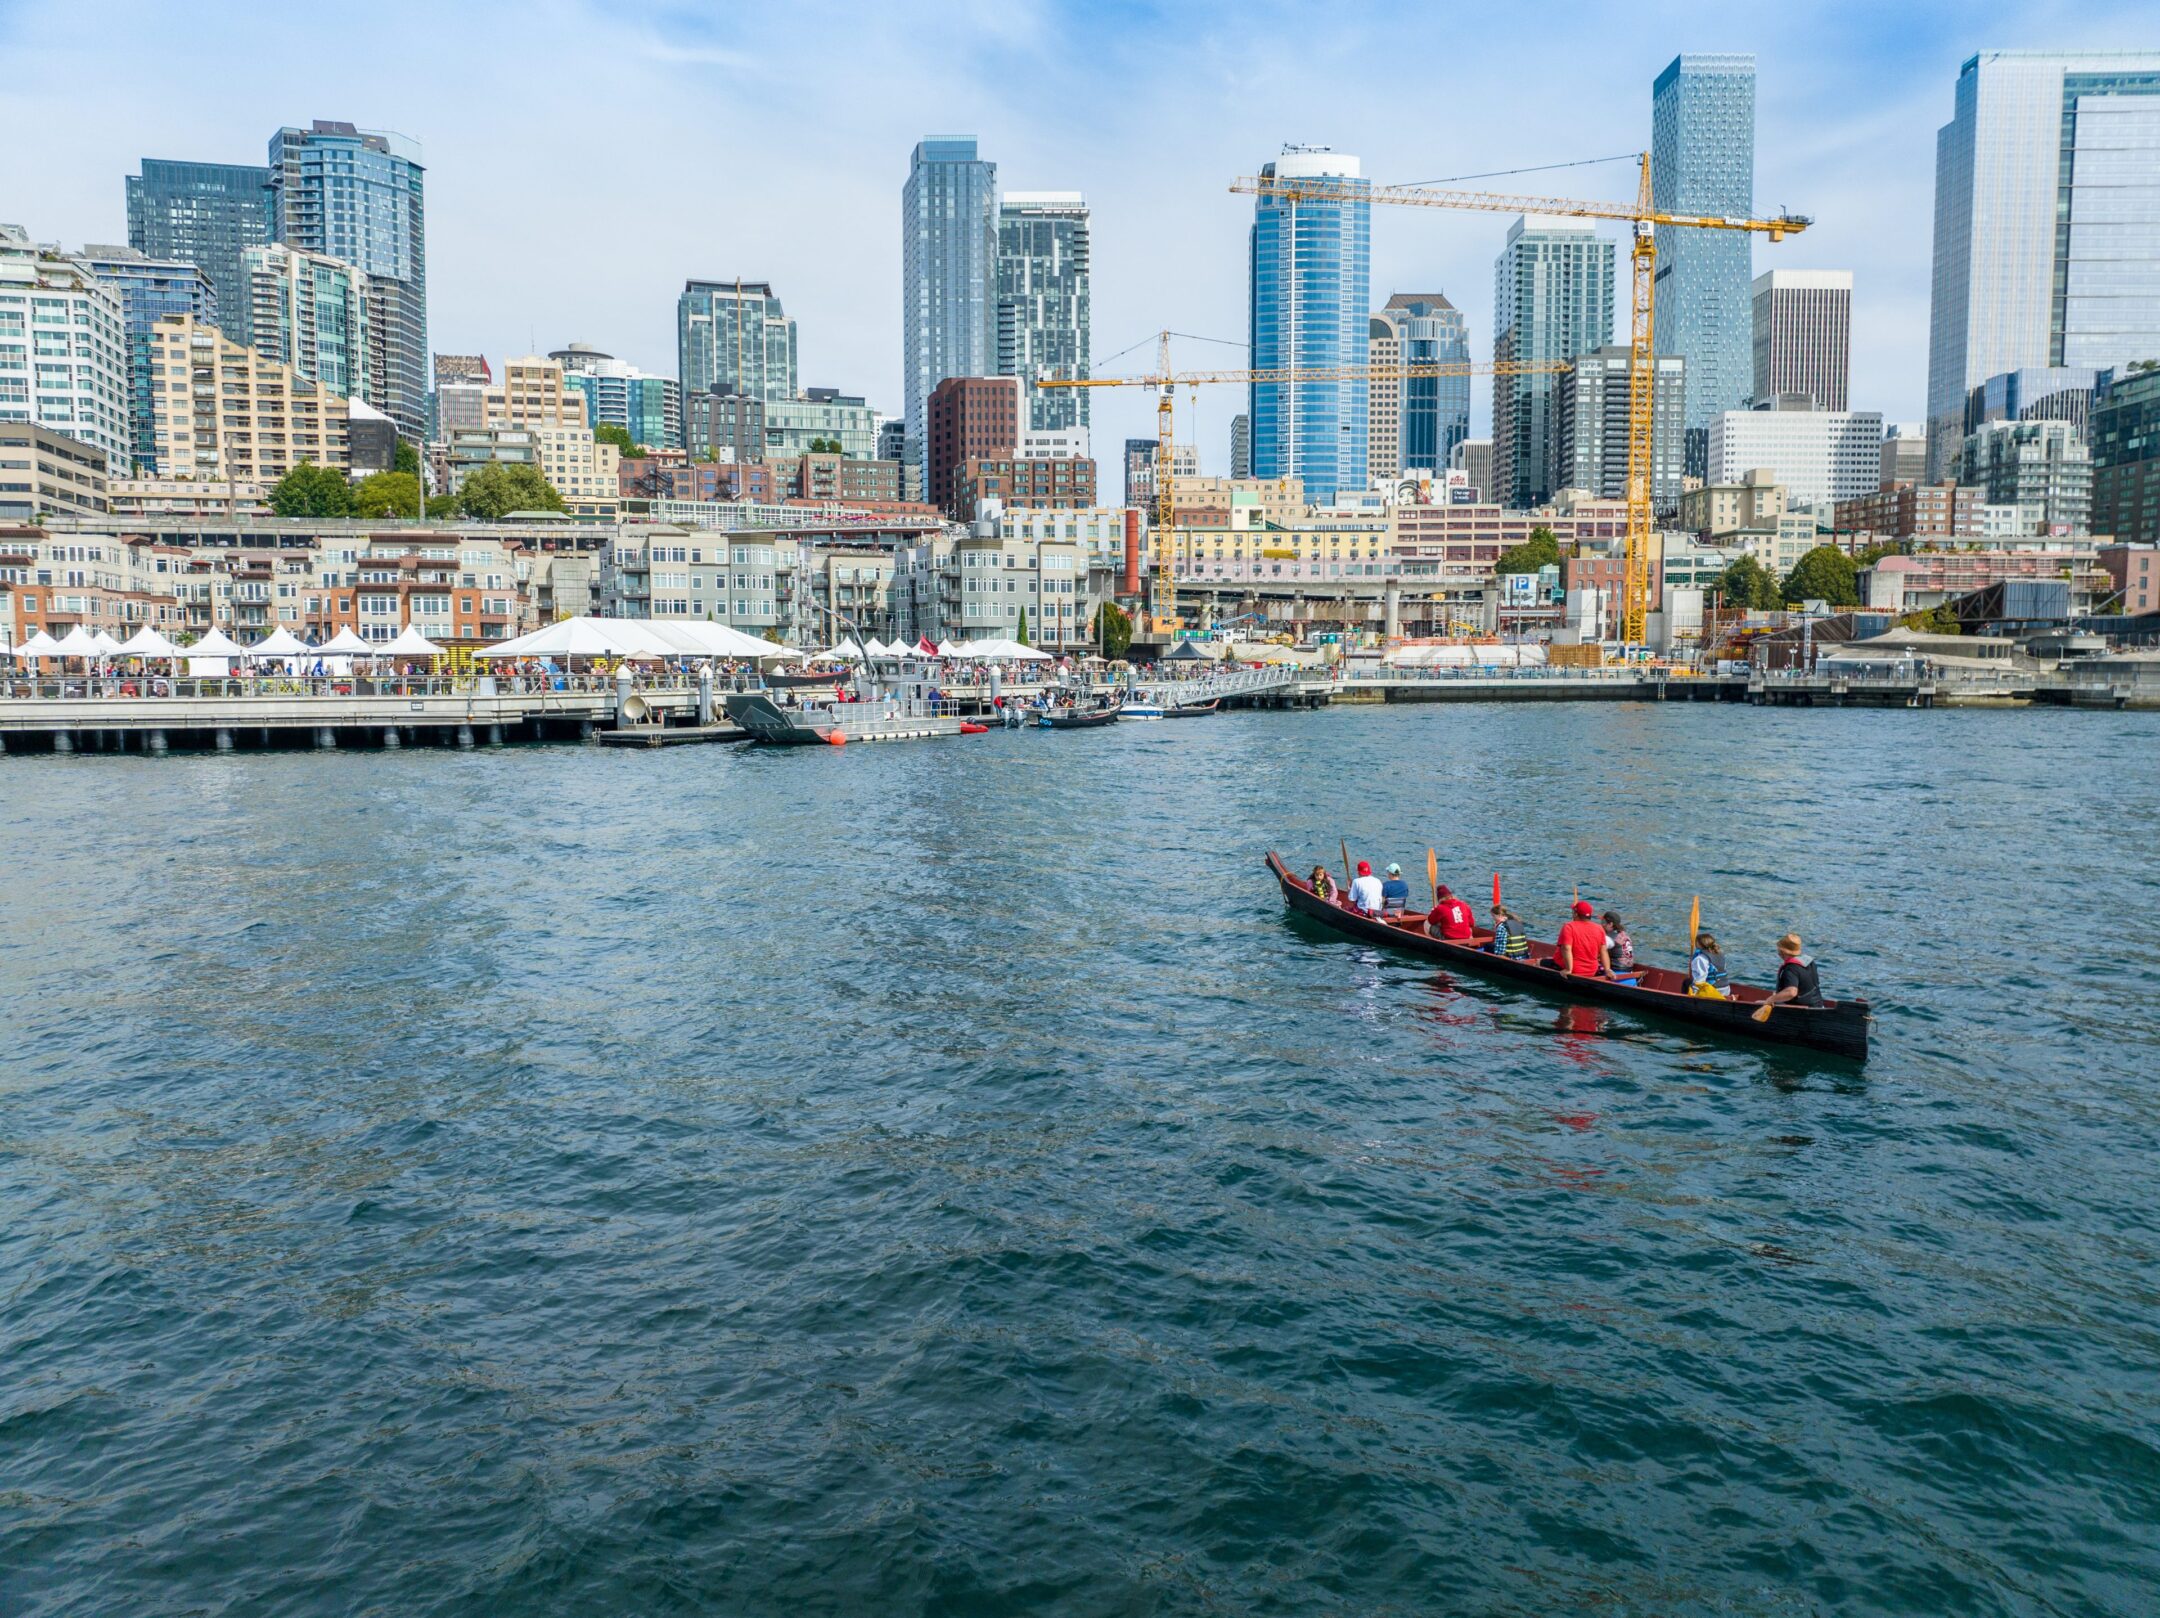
x=1839, y=1027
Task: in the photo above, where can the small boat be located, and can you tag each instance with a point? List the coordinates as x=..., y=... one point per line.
x=968, y=727
x=1079, y=718
x=1839, y=1027
x=1143, y=705
x=1192, y=710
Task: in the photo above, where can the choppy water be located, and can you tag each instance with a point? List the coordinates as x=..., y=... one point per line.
x=937, y=1178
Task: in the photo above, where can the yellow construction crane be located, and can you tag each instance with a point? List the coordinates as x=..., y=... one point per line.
x=1162, y=586
x=1645, y=218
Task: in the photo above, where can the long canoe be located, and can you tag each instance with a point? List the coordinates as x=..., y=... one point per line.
x=1838, y=1026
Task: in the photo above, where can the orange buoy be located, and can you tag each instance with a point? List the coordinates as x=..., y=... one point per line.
x=838, y=738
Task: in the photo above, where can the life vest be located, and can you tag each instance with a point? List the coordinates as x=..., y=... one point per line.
x=1513, y=941
x=1714, y=973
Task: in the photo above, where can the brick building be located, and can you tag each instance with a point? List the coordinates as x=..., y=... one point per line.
x=1064, y=484
x=969, y=418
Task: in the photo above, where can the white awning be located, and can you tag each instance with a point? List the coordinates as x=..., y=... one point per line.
x=345, y=644
x=569, y=637
x=410, y=643
x=280, y=642
x=78, y=642
x=147, y=642
x=215, y=644
x=38, y=645
x=105, y=642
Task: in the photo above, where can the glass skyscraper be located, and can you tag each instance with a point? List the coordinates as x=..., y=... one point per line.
x=205, y=213
x=733, y=337
x=359, y=195
x=948, y=275
x=1552, y=300
x=149, y=288
x=1310, y=296
x=1418, y=421
x=1043, y=301
x=1702, y=160
x=2047, y=224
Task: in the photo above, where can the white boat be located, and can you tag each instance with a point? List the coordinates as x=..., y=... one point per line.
x=1143, y=705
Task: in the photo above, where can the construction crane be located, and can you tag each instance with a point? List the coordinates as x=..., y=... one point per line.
x=1644, y=217
x=1162, y=586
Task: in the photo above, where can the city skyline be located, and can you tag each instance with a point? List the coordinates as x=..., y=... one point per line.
x=1848, y=102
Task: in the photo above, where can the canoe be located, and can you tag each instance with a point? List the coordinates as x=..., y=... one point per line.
x=1192, y=710
x=1078, y=718
x=1839, y=1027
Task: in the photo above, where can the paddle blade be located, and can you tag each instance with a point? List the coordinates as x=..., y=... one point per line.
x=1496, y=889
x=1432, y=872
x=1694, y=922
x=1764, y=1014
x=1346, y=861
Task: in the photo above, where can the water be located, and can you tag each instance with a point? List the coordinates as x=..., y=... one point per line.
x=937, y=1178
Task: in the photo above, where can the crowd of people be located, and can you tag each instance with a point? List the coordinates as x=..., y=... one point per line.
x=1591, y=944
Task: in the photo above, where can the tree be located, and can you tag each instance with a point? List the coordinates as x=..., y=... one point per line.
x=309, y=490
x=1935, y=621
x=1541, y=549
x=1869, y=555
x=496, y=490
x=826, y=446
x=1021, y=636
x=1113, y=629
x=407, y=458
x=442, y=505
x=608, y=433
x=1747, y=585
x=387, y=494
x=1824, y=574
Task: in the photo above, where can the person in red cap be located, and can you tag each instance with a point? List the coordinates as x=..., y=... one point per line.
x=1365, y=891
x=1581, y=948
x=1450, y=918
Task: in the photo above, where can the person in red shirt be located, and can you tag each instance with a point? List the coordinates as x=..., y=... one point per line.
x=1450, y=918
x=1581, y=948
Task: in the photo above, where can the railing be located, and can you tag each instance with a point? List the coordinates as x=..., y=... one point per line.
x=1539, y=671
x=132, y=686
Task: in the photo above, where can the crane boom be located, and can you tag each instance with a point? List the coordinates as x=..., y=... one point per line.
x=1644, y=218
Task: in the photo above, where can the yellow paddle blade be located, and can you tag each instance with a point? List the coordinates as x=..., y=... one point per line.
x=1764, y=1014
x=1432, y=871
x=1694, y=921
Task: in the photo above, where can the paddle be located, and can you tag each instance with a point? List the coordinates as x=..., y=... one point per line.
x=1432, y=873
x=1764, y=1014
x=1346, y=870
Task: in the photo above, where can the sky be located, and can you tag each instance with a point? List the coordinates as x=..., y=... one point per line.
x=585, y=159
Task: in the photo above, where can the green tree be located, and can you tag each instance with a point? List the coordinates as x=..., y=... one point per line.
x=387, y=494
x=407, y=458
x=1824, y=574
x=1869, y=555
x=496, y=490
x=442, y=505
x=1113, y=629
x=309, y=490
x=1746, y=585
x=1935, y=621
x=1021, y=637
x=826, y=446
x=1541, y=549
x=608, y=433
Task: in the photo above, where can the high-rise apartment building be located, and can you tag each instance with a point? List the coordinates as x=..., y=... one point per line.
x=150, y=289
x=793, y=425
x=618, y=394
x=360, y=195
x=2126, y=457
x=222, y=412
x=1803, y=335
x=63, y=347
x=1473, y=458
x=459, y=397
x=1702, y=161
x=207, y=214
x=1819, y=456
x=2047, y=207
x=1552, y=300
x=2034, y=393
x=1416, y=421
x=948, y=278
x=1904, y=453
x=733, y=337
x=1311, y=281
x=2042, y=468
x=312, y=312
x=970, y=418
x=1593, y=425
x=1043, y=301
x=1241, y=445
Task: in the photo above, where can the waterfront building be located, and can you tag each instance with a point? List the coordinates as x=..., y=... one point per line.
x=43, y=472
x=225, y=413
x=2134, y=570
x=1005, y=588
x=1593, y=425
x=968, y=418
x=733, y=337
x=1310, y=291
x=205, y=214
x=1904, y=453
x=1821, y=456
x=360, y=196
x=1054, y=485
x=1702, y=161
x=618, y=394
x=1043, y=301
x=2126, y=457
x=2035, y=393
x=1903, y=584
x=1415, y=421
x=2043, y=468
x=948, y=280
x=1552, y=300
x=793, y=425
x=1922, y=513
x=1241, y=445
x=1473, y=457
x=1803, y=334
x=150, y=289
x=1099, y=531
x=63, y=347
x=310, y=312
x=2047, y=200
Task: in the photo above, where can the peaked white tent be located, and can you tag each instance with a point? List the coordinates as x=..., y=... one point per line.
x=998, y=650
x=345, y=644
x=567, y=637
x=78, y=642
x=946, y=648
x=216, y=644
x=147, y=642
x=411, y=643
x=280, y=642
x=105, y=643
x=38, y=645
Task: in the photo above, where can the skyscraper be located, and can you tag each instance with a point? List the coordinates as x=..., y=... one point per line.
x=312, y=312
x=1593, y=425
x=1311, y=285
x=1241, y=445
x=149, y=288
x=948, y=275
x=618, y=394
x=359, y=195
x=1417, y=421
x=1702, y=160
x=205, y=213
x=733, y=337
x=1042, y=301
x=62, y=326
x=2047, y=208
x=1552, y=300
x=1803, y=335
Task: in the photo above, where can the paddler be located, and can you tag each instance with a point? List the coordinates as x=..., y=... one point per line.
x=1581, y=949
x=1798, y=983
x=1706, y=969
x=1365, y=891
x=1394, y=892
x=1450, y=918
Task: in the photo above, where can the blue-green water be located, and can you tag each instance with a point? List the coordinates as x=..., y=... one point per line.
x=937, y=1178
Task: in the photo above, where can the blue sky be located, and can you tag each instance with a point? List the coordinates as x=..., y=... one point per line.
x=584, y=159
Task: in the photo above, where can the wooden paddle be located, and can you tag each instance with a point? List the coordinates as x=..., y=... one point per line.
x=1432, y=873
x=1763, y=1015
x=1346, y=870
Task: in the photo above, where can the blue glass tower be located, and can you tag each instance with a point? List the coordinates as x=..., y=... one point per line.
x=206, y=213
x=149, y=288
x=1702, y=161
x=1311, y=286
x=948, y=276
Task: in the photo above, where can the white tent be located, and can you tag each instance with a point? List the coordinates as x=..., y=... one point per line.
x=946, y=648
x=280, y=642
x=567, y=637
x=846, y=652
x=997, y=650
x=216, y=644
x=78, y=642
x=410, y=643
x=38, y=645
x=345, y=644
x=105, y=643
x=734, y=642
x=147, y=642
